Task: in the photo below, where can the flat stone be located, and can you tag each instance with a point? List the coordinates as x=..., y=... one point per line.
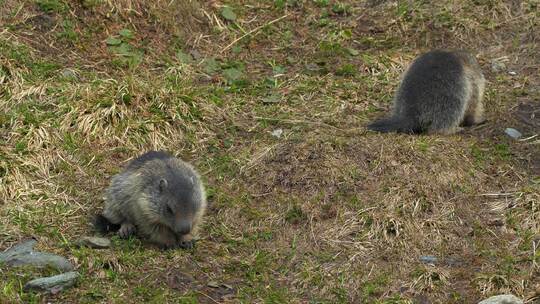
x=69, y=73
x=93, y=242
x=502, y=299
x=515, y=134
x=40, y=260
x=429, y=259
x=53, y=284
x=498, y=66
x=21, y=248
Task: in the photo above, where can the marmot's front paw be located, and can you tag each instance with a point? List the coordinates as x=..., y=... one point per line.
x=126, y=230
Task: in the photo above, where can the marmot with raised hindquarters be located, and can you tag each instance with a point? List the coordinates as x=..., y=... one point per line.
x=440, y=92
x=157, y=196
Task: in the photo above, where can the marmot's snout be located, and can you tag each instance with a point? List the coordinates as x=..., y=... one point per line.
x=182, y=227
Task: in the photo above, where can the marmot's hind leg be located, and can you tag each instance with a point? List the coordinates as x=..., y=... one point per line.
x=474, y=115
x=446, y=123
x=475, y=111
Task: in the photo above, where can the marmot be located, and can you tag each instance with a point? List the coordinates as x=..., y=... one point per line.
x=441, y=91
x=159, y=197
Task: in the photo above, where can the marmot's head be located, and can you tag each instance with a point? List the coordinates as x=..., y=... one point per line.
x=175, y=196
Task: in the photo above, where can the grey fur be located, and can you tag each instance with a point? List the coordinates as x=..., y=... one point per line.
x=441, y=91
x=159, y=197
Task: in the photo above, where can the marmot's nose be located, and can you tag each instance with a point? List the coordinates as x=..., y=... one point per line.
x=183, y=228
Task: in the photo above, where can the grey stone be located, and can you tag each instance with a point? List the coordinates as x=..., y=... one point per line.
x=69, y=73
x=53, y=284
x=277, y=133
x=428, y=259
x=454, y=262
x=40, y=260
x=21, y=248
x=502, y=299
x=93, y=242
x=498, y=66
x=515, y=134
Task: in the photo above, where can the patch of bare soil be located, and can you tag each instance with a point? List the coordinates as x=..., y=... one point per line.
x=211, y=292
x=528, y=113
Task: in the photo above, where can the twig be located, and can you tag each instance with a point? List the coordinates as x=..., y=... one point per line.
x=528, y=138
x=251, y=32
x=502, y=194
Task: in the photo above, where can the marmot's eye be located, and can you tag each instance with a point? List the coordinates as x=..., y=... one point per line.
x=169, y=210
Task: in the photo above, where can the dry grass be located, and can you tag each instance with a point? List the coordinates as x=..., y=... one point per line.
x=327, y=212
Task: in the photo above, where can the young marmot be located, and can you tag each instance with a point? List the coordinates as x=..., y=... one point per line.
x=440, y=91
x=159, y=197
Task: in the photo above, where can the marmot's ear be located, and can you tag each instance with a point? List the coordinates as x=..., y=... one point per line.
x=162, y=184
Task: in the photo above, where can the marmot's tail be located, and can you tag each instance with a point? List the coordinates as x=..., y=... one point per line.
x=103, y=225
x=393, y=124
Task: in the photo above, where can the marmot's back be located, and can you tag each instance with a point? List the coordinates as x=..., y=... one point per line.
x=439, y=91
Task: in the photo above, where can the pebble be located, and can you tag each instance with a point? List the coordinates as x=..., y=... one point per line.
x=498, y=66
x=69, y=73
x=515, y=134
x=53, y=284
x=277, y=133
x=428, y=259
x=502, y=299
x=93, y=242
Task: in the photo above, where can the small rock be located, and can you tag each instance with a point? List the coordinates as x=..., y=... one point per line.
x=93, y=242
x=498, y=66
x=21, y=248
x=53, y=284
x=277, y=133
x=502, y=299
x=515, y=134
x=69, y=73
x=196, y=55
x=454, y=262
x=39, y=259
x=428, y=259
